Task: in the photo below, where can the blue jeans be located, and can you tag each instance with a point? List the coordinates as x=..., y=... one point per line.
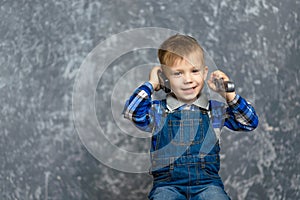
x=188, y=177
x=197, y=192
x=185, y=158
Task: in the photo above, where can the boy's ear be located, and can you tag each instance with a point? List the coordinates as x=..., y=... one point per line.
x=205, y=70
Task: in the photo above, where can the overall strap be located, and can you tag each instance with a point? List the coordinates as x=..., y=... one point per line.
x=217, y=113
x=164, y=104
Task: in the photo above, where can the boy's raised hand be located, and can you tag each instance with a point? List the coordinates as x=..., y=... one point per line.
x=153, y=78
x=229, y=96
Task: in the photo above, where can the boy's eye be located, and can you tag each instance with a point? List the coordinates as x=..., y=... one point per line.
x=177, y=73
x=196, y=70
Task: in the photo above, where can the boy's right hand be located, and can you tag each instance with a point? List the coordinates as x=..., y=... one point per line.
x=153, y=78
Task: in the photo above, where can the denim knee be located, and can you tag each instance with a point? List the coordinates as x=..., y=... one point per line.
x=212, y=192
x=166, y=192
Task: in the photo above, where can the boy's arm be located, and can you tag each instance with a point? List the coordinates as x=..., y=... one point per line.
x=138, y=107
x=241, y=115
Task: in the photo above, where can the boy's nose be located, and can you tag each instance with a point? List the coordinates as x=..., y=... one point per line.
x=187, y=78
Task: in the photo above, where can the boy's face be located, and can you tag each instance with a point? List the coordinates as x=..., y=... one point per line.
x=186, y=80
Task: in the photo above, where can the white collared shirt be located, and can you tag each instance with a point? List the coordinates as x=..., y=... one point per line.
x=173, y=103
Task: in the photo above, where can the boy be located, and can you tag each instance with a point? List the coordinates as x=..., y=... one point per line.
x=185, y=141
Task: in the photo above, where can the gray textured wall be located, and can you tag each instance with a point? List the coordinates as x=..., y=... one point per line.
x=43, y=44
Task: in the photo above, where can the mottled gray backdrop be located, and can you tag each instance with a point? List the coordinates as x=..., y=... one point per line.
x=44, y=42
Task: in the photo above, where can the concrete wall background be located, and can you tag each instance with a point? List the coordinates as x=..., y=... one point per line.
x=43, y=44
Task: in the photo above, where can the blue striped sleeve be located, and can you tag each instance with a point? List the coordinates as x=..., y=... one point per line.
x=138, y=107
x=241, y=115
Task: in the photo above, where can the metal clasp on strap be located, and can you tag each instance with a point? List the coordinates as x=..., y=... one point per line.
x=172, y=160
x=202, y=160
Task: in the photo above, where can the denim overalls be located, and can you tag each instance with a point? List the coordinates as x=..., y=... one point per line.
x=185, y=157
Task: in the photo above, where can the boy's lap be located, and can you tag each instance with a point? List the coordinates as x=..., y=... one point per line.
x=211, y=192
x=166, y=192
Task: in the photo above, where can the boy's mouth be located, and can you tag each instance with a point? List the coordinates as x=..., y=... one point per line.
x=189, y=90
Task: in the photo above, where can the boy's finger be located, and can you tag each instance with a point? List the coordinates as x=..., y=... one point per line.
x=211, y=85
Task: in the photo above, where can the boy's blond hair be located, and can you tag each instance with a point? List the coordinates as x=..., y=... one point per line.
x=180, y=47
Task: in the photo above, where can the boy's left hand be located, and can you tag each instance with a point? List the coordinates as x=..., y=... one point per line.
x=229, y=96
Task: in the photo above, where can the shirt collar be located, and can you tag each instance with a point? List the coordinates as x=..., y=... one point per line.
x=173, y=103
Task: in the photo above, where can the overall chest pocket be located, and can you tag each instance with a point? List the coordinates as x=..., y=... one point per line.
x=186, y=132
